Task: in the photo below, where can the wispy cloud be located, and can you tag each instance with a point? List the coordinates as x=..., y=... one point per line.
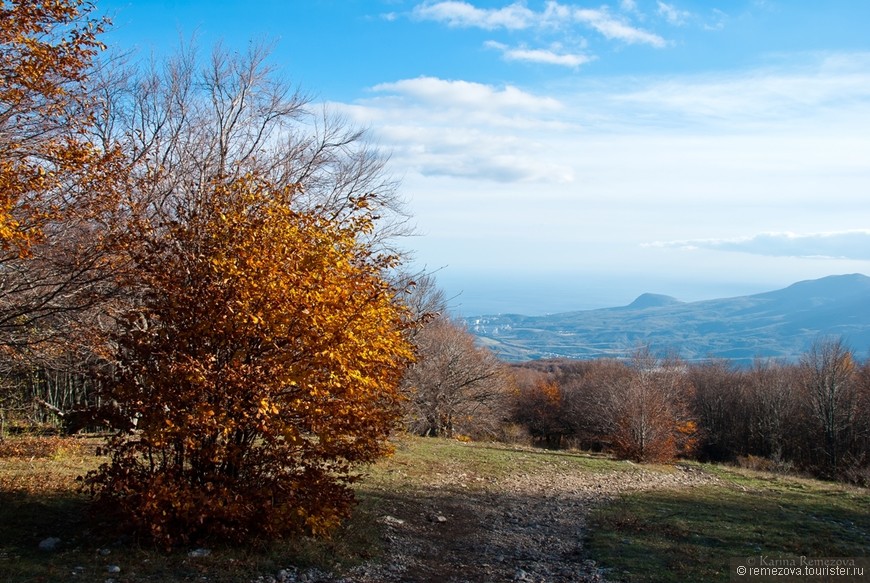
x=822, y=86
x=746, y=133
x=462, y=14
x=462, y=129
x=717, y=21
x=840, y=245
x=673, y=14
x=518, y=16
x=466, y=94
x=628, y=6
x=551, y=56
x=615, y=28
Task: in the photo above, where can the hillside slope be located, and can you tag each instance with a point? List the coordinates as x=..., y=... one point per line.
x=776, y=324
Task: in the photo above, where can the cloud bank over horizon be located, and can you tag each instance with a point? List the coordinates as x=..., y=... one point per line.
x=853, y=245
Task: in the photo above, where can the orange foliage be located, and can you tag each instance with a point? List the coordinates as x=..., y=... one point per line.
x=263, y=365
x=540, y=406
x=46, y=160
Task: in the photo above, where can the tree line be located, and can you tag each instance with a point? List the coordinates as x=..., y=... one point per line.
x=811, y=416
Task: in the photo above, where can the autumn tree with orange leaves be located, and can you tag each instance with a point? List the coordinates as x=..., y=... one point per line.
x=263, y=365
x=540, y=406
x=234, y=252
x=59, y=201
x=46, y=48
x=58, y=188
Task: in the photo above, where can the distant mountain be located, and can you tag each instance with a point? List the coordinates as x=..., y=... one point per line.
x=777, y=324
x=652, y=301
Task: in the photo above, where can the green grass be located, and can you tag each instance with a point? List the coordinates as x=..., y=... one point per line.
x=691, y=534
x=663, y=535
x=416, y=460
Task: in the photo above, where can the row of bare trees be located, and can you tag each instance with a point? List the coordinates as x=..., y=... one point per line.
x=812, y=415
x=638, y=409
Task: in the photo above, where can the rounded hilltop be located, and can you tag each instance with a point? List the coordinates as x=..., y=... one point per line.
x=653, y=301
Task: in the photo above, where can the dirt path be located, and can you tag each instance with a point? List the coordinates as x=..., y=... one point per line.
x=525, y=528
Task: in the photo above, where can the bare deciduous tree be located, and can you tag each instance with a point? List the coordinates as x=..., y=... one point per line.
x=828, y=376
x=718, y=406
x=187, y=121
x=646, y=414
x=771, y=406
x=455, y=387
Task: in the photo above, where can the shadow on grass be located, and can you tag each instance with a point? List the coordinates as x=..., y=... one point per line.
x=89, y=546
x=690, y=535
x=26, y=519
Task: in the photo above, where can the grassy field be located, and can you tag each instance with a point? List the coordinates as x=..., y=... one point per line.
x=686, y=534
x=691, y=534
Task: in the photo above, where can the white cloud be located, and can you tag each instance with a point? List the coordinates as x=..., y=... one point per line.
x=853, y=245
x=628, y=6
x=466, y=94
x=442, y=147
x=638, y=159
x=719, y=20
x=518, y=17
x=829, y=86
x=462, y=14
x=460, y=129
x=615, y=28
x=492, y=165
x=545, y=56
x=673, y=14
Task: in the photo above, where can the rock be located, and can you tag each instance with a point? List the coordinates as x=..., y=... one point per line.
x=105, y=552
x=199, y=553
x=49, y=544
x=113, y=569
x=287, y=575
x=439, y=518
x=392, y=521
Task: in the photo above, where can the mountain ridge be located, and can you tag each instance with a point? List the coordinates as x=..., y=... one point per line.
x=776, y=324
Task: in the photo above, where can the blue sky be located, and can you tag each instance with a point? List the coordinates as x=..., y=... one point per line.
x=562, y=155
